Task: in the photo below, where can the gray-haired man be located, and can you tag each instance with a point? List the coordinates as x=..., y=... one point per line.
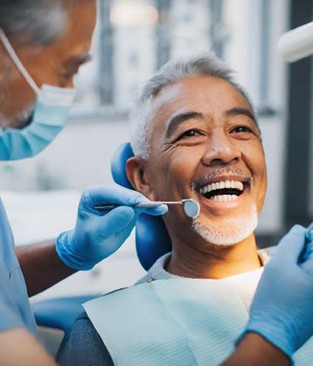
x=194, y=135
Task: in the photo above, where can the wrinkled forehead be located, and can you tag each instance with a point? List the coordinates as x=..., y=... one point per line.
x=208, y=95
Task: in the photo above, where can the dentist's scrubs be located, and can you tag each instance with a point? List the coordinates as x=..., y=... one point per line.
x=15, y=311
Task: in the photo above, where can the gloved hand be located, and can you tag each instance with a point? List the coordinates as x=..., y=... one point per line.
x=282, y=309
x=97, y=234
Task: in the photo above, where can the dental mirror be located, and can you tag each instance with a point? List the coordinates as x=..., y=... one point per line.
x=190, y=206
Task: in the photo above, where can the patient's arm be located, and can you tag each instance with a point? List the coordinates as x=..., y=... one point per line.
x=254, y=350
x=19, y=348
x=41, y=266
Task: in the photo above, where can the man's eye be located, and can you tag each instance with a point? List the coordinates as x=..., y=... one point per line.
x=66, y=77
x=242, y=129
x=191, y=133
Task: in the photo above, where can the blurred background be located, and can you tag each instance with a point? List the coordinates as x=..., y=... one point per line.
x=132, y=40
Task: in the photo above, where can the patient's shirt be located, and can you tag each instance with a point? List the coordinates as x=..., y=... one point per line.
x=158, y=272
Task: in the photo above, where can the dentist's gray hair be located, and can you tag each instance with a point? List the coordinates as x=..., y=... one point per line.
x=141, y=117
x=37, y=22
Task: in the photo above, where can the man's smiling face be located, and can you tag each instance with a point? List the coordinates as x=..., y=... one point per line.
x=205, y=144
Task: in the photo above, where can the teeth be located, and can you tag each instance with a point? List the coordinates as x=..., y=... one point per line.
x=236, y=184
x=224, y=198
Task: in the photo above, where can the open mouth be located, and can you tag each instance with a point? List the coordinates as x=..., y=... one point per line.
x=223, y=191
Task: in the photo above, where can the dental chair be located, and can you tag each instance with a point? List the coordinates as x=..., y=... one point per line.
x=152, y=240
x=55, y=317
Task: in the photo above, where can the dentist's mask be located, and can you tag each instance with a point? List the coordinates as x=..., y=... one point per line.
x=47, y=120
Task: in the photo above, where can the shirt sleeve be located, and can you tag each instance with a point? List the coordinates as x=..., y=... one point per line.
x=10, y=316
x=83, y=346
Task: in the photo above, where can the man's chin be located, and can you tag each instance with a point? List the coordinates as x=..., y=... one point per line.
x=20, y=121
x=228, y=233
x=25, y=119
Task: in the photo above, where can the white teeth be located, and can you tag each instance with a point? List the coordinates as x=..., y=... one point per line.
x=224, y=198
x=236, y=184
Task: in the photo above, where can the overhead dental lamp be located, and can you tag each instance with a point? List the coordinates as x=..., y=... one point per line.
x=296, y=43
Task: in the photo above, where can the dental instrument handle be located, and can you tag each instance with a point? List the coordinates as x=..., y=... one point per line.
x=190, y=206
x=110, y=206
x=106, y=206
x=157, y=203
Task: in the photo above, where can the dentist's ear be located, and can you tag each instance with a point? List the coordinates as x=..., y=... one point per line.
x=136, y=174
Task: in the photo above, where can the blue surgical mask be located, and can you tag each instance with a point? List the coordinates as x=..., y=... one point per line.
x=47, y=120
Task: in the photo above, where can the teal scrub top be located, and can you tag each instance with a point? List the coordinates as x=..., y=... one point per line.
x=15, y=310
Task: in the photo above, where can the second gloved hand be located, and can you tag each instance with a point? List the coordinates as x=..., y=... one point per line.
x=97, y=234
x=282, y=309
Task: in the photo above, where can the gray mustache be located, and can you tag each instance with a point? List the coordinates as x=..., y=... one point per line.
x=196, y=184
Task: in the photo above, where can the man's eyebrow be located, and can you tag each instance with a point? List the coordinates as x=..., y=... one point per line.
x=238, y=111
x=179, y=119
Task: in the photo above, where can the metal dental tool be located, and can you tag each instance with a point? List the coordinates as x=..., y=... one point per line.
x=190, y=206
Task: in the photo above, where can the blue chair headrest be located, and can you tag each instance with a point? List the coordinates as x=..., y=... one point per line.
x=152, y=240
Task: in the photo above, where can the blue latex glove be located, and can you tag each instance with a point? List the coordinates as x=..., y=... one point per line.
x=282, y=309
x=97, y=234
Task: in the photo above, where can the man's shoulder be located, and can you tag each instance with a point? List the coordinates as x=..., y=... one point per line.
x=157, y=271
x=83, y=346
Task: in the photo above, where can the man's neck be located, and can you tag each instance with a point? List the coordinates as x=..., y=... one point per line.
x=214, y=262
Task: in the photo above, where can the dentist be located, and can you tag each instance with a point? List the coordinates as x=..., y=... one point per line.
x=42, y=45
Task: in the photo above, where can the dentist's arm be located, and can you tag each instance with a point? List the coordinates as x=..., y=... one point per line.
x=41, y=266
x=19, y=348
x=281, y=315
x=97, y=234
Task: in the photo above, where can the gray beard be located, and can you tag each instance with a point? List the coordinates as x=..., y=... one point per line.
x=229, y=232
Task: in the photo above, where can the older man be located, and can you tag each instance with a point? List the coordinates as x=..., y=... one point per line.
x=194, y=135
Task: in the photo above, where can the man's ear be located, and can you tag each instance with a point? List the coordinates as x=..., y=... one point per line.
x=138, y=177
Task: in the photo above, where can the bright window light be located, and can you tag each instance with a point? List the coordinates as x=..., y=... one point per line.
x=133, y=14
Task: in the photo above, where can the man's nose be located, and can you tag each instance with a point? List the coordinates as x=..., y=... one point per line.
x=220, y=150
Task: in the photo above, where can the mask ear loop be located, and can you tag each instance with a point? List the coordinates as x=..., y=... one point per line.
x=10, y=50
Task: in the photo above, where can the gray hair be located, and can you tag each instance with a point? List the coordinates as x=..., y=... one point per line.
x=141, y=117
x=37, y=22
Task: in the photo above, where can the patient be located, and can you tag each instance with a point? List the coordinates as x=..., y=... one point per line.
x=194, y=135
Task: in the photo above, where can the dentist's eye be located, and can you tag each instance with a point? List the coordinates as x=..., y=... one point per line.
x=65, y=79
